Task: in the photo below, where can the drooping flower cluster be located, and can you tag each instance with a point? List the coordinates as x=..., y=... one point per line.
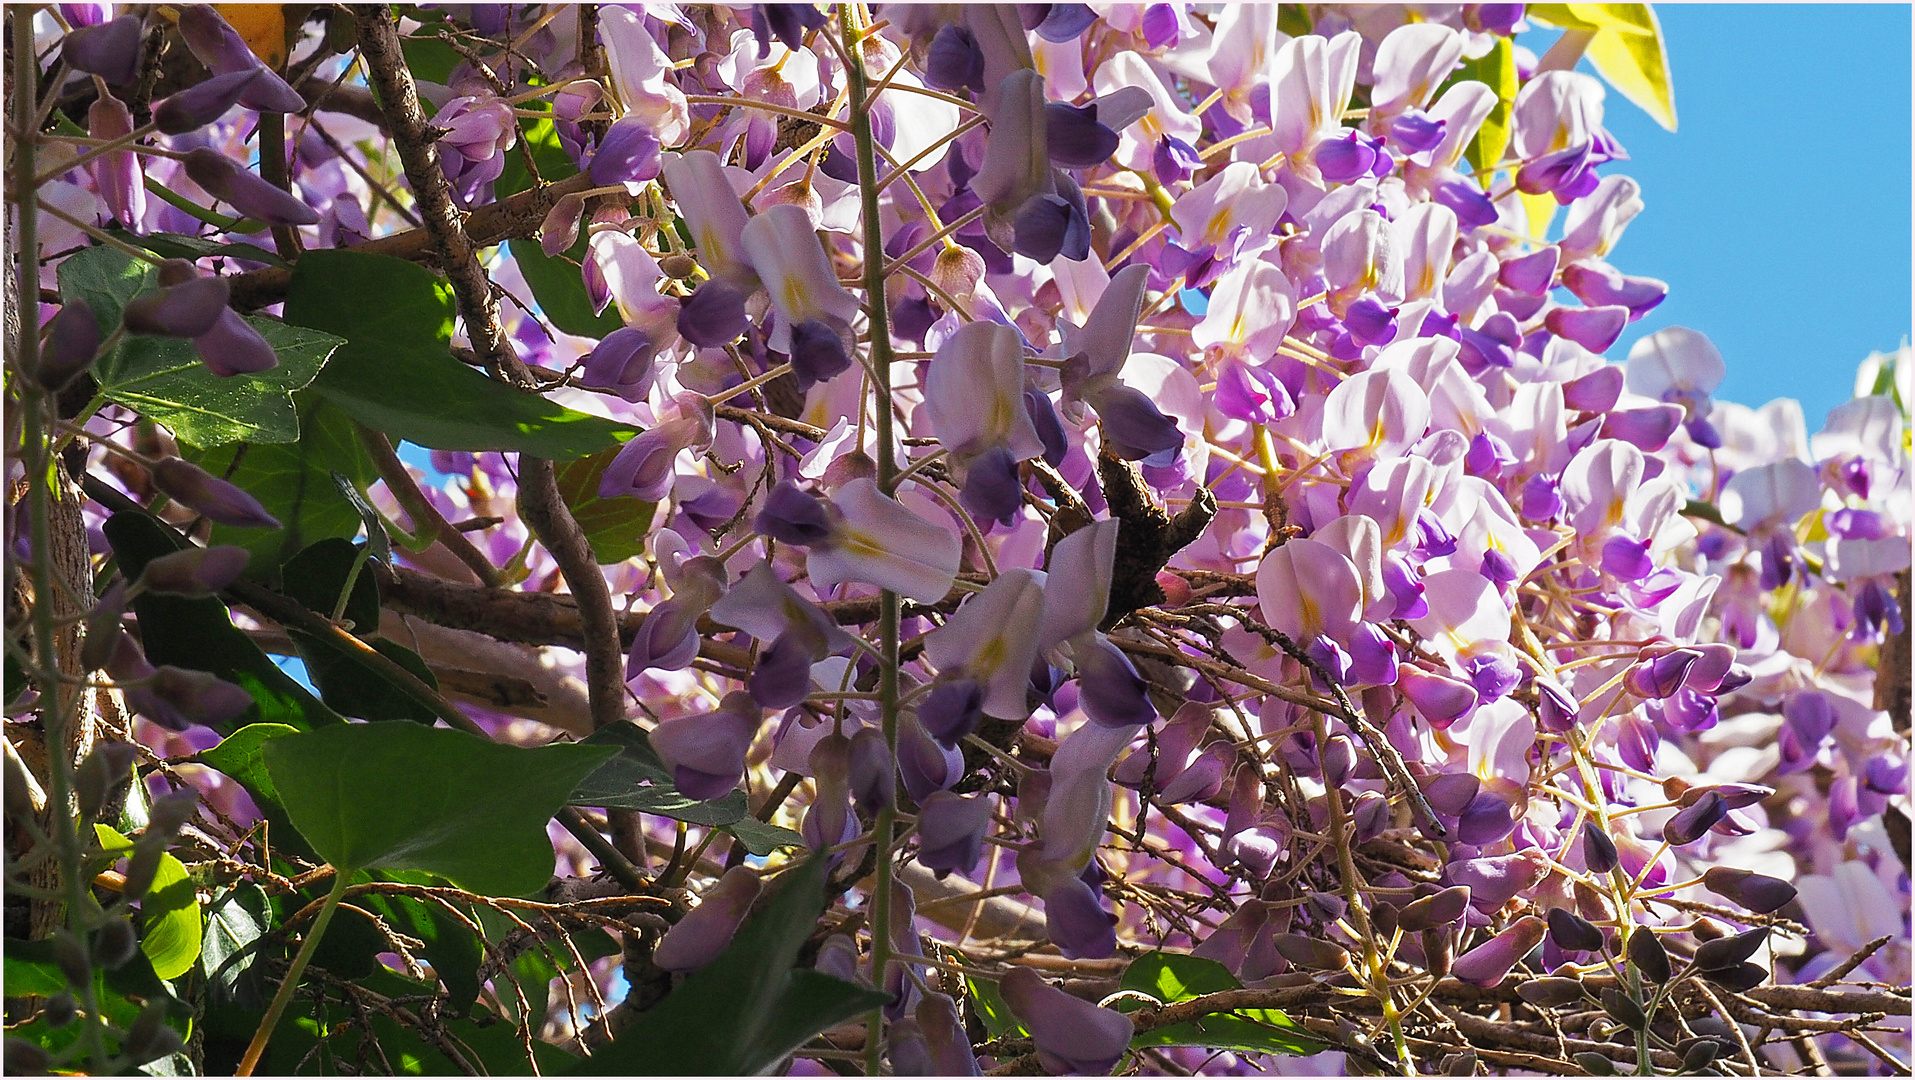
x=1258, y=491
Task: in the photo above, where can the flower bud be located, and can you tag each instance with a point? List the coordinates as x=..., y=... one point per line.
x=195, y=571
x=948, y=1046
x=627, y=154
x=1595, y=1064
x=247, y=191
x=233, y=347
x=622, y=362
x=24, y=1058
x=1758, y=893
x=140, y=870
x=115, y=943
x=176, y=699
x=957, y=271
x=73, y=340
x=874, y=778
x=168, y=813
x=60, y=1010
x=104, y=768
x=1646, y=952
x=1486, y=964
x=1724, y=953
x=202, y=103
x=1690, y=824
x=1438, y=950
x=818, y=353
x=1697, y=1055
x=1599, y=851
x=183, y=310
x=202, y=492
x=952, y=710
x=110, y=50
x=698, y=938
x=713, y=316
x=71, y=958
x=1072, y=1035
x=1550, y=992
x=117, y=174
x=1626, y=1010
x=706, y=753
x=149, y=1037
x=1316, y=954
x=1572, y=933
x=1736, y=980
x=951, y=831
x=1439, y=909
x=559, y=231
x=678, y=266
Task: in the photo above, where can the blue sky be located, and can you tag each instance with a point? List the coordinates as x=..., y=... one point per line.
x=1778, y=212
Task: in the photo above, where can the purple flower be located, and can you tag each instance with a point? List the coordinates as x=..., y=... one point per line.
x=248, y=192
x=704, y=932
x=184, y=308
x=627, y=154
x=622, y=362
x=1072, y=1035
x=117, y=175
x=233, y=347
x=110, y=50
x=1486, y=964
x=1689, y=824
x=714, y=315
x=73, y=340
x=1594, y=328
x=951, y=831
x=202, y=103
x=203, y=493
x=176, y=699
x=195, y=571
x=706, y=753
x=954, y=61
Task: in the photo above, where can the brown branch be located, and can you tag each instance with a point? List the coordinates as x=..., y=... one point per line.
x=425, y=516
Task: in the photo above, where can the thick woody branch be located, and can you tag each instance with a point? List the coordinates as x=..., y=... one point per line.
x=540, y=502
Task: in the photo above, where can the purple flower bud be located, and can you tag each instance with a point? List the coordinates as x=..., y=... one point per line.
x=1498, y=19
x=1337, y=759
x=1470, y=204
x=1730, y=952
x=1494, y=880
x=622, y=362
x=1598, y=284
x=1050, y=430
x=72, y=341
x=202, y=103
x=1493, y=675
x=1415, y=132
x=627, y=154
x=1594, y=328
x=992, y=490
x=1647, y=429
x=247, y=191
x=1573, y=933
x=1450, y=793
x=1312, y=953
x=1542, y=498
x=1599, y=851
x=1809, y=713
x=1203, y=780
x=1345, y=158
x=1110, y=690
x=643, y=467
x=1487, y=819
x=792, y=516
x=706, y=753
x=666, y=641
x=1078, y=925
x=948, y=1046
x=195, y=571
x=954, y=61
x=1072, y=1035
x=1073, y=137
x=1486, y=964
x=203, y=493
x=782, y=675
x=872, y=775
x=110, y=50
x=177, y=699
x=1689, y=824
x=714, y=315
x=1441, y=700
x=1134, y=428
x=117, y=174
x=1174, y=160
x=1596, y=391
x=1064, y=22
x=233, y=347
x=185, y=310
x=1371, y=815
x=952, y=710
x=1532, y=274
x=925, y=765
x=1627, y=558
x=951, y=831
x=705, y=931
x=1758, y=893
x=1660, y=676
x=77, y=15
x=817, y=353
x=1437, y=909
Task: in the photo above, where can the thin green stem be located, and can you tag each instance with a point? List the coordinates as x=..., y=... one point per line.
x=880, y=333
x=340, y=880
x=35, y=433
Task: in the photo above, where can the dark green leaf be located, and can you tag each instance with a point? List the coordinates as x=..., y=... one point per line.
x=199, y=634
x=637, y=780
x=294, y=482
x=1172, y=977
x=617, y=527
x=396, y=374
x=238, y=757
x=346, y=682
x=747, y=1010
x=163, y=379
x=235, y=922
x=369, y=796
x=451, y=947
x=761, y=839
x=553, y=162
x=181, y=246
x=558, y=284
x=316, y=576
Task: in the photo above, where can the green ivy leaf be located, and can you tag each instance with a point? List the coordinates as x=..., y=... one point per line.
x=199, y=634
x=181, y=246
x=742, y=1014
x=761, y=839
x=169, y=911
x=346, y=682
x=401, y=796
x=617, y=527
x=549, y=154
x=1174, y=977
x=235, y=922
x=559, y=286
x=396, y=374
x=106, y=278
x=992, y=1009
x=1497, y=70
x=294, y=482
x=238, y=757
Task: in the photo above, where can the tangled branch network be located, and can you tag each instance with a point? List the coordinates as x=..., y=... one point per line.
x=1078, y=538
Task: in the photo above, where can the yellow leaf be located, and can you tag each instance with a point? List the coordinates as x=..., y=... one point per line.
x=1629, y=52
x=1541, y=210
x=263, y=26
